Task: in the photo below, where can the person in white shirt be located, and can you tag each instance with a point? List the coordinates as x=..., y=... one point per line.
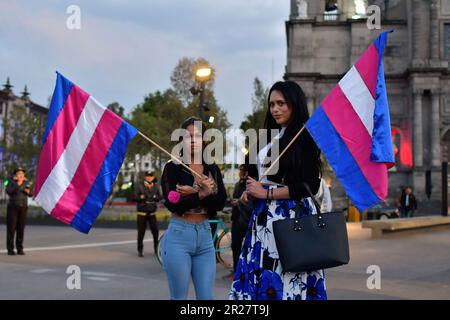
x=324, y=197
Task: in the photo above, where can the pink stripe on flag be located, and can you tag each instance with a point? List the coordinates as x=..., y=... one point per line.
x=60, y=134
x=355, y=136
x=88, y=169
x=367, y=66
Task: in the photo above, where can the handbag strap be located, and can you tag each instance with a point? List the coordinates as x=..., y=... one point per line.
x=320, y=221
x=316, y=204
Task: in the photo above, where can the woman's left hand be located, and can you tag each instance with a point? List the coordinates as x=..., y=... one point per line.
x=255, y=189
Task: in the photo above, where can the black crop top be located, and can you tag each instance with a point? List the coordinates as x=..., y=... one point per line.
x=174, y=174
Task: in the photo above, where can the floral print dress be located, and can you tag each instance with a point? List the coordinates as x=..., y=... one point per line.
x=259, y=275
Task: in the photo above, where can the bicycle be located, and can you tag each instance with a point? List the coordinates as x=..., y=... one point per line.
x=222, y=244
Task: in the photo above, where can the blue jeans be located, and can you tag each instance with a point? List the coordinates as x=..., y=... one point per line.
x=188, y=250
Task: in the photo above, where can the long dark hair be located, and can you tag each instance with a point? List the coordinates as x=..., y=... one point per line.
x=304, y=145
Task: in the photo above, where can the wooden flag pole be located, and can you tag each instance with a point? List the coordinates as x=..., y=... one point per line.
x=171, y=155
x=283, y=152
x=202, y=176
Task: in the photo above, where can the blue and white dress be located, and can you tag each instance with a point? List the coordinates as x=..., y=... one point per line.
x=259, y=275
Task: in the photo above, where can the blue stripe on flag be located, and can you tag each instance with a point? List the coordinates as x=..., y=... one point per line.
x=62, y=89
x=102, y=187
x=382, y=148
x=380, y=43
x=341, y=160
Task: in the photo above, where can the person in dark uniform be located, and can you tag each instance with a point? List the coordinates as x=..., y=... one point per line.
x=18, y=189
x=147, y=197
x=240, y=216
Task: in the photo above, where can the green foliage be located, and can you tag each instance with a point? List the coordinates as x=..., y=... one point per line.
x=23, y=131
x=183, y=78
x=117, y=109
x=259, y=103
x=163, y=112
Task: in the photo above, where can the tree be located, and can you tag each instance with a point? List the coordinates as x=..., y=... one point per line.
x=156, y=117
x=163, y=112
x=21, y=146
x=259, y=103
x=183, y=78
x=117, y=109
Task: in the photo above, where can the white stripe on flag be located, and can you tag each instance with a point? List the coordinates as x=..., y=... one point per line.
x=358, y=94
x=64, y=170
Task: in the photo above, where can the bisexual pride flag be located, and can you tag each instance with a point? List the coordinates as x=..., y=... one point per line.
x=83, y=148
x=352, y=128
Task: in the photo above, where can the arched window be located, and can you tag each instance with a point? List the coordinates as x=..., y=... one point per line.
x=360, y=9
x=331, y=11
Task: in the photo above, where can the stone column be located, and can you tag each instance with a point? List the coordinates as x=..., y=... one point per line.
x=435, y=129
x=434, y=30
x=418, y=133
x=294, y=10
x=420, y=24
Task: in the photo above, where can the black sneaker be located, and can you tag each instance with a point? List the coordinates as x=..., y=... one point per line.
x=11, y=253
x=20, y=253
x=140, y=255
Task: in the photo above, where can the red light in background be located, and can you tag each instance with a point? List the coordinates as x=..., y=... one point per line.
x=406, y=158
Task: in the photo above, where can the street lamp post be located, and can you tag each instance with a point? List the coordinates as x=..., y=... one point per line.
x=202, y=75
x=202, y=100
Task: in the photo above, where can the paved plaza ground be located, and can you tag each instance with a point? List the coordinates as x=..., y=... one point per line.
x=414, y=265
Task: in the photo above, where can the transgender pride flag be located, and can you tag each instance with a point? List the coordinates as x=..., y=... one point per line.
x=83, y=148
x=353, y=130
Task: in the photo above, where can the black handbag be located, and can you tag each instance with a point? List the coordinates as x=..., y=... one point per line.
x=313, y=242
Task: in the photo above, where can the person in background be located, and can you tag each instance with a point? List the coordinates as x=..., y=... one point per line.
x=324, y=197
x=407, y=203
x=147, y=197
x=240, y=216
x=18, y=190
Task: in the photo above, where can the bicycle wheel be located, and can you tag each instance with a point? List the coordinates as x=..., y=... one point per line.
x=223, y=250
x=158, y=250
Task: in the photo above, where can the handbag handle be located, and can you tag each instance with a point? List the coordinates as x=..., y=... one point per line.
x=320, y=221
x=316, y=204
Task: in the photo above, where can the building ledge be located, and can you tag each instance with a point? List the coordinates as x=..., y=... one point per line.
x=320, y=76
x=320, y=22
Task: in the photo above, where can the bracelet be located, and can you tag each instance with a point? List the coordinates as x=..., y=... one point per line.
x=271, y=192
x=267, y=196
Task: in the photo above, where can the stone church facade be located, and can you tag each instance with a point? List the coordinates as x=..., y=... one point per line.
x=325, y=38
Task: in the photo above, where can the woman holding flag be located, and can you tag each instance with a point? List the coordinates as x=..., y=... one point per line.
x=259, y=275
x=192, y=196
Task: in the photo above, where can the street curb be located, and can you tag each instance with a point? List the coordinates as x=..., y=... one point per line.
x=49, y=221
